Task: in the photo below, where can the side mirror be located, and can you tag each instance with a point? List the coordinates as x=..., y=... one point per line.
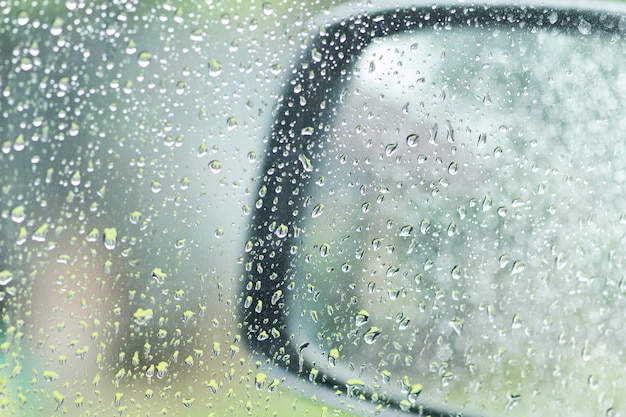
x=440, y=225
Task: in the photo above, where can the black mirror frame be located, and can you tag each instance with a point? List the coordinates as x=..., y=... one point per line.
x=302, y=123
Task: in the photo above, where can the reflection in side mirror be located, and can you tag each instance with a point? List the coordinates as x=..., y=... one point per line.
x=441, y=221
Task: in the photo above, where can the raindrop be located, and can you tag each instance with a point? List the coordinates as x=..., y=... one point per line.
x=22, y=17
x=584, y=27
x=371, y=335
x=75, y=180
x=18, y=214
x=142, y=316
x=414, y=392
x=453, y=168
x=487, y=202
x=512, y=401
x=333, y=357
x=268, y=9
x=432, y=134
x=518, y=266
x=273, y=385
x=215, y=68
x=259, y=380
x=391, y=149
x=215, y=166
x=316, y=55
x=282, y=231
x=516, y=323
x=110, y=238
x=392, y=271
x=361, y=318
x=57, y=27
x=231, y=123
x=406, y=231
x=429, y=263
x=26, y=64
x=412, y=140
x=5, y=277
x=306, y=163
x=554, y=16
x=317, y=211
x=457, y=325
x=144, y=59
x=354, y=386
x=482, y=140
x=456, y=272
x=324, y=250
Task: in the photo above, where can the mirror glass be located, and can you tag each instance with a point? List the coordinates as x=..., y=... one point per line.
x=462, y=241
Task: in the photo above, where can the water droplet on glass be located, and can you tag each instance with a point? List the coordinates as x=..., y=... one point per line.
x=22, y=17
x=457, y=325
x=18, y=214
x=354, y=386
x=406, y=231
x=584, y=27
x=75, y=180
x=324, y=250
x=487, y=202
x=392, y=271
x=361, y=318
x=453, y=168
x=456, y=272
x=259, y=380
x=518, y=266
x=516, y=322
x=215, y=166
x=428, y=264
x=282, y=231
x=5, y=277
x=414, y=392
x=110, y=238
x=391, y=149
x=57, y=27
x=231, y=123
x=26, y=64
x=306, y=163
x=317, y=211
x=215, y=68
x=554, y=16
x=371, y=335
x=432, y=134
x=142, y=316
x=144, y=59
x=512, y=401
x=316, y=55
x=412, y=140
x=482, y=140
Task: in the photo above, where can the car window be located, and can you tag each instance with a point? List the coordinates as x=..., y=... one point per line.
x=135, y=142
x=131, y=138
x=435, y=222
